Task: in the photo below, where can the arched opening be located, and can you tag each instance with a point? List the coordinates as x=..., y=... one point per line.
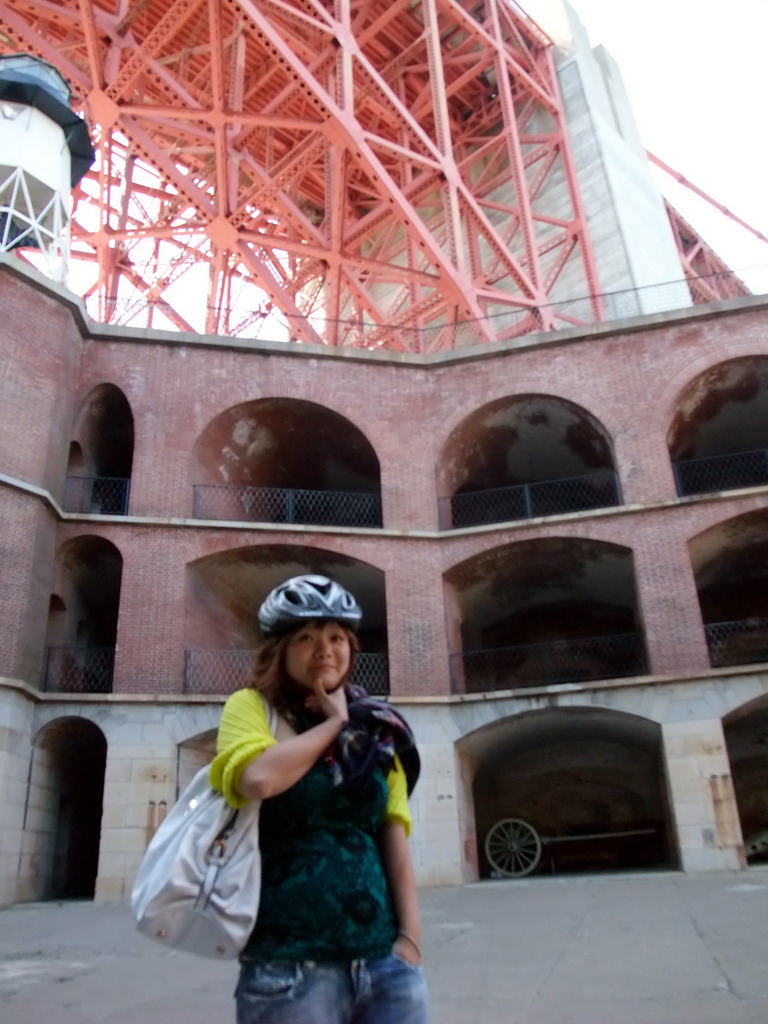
x=746, y=737
x=730, y=565
x=76, y=460
x=718, y=438
x=82, y=620
x=280, y=460
x=224, y=592
x=55, y=633
x=545, y=612
x=525, y=456
x=101, y=454
x=62, y=822
x=193, y=754
x=563, y=790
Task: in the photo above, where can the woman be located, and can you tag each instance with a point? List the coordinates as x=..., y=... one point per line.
x=338, y=936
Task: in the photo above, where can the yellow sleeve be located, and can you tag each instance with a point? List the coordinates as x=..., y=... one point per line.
x=397, y=804
x=242, y=737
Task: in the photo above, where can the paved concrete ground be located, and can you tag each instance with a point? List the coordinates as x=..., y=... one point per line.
x=640, y=949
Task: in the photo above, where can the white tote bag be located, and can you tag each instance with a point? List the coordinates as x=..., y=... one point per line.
x=198, y=886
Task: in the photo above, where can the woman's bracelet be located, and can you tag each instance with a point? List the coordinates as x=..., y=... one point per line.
x=413, y=942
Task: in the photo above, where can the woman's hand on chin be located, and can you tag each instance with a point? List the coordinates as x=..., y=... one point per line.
x=332, y=705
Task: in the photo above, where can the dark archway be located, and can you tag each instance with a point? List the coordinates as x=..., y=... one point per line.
x=588, y=782
x=225, y=590
x=83, y=614
x=545, y=612
x=746, y=737
x=63, y=814
x=287, y=461
x=730, y=564
x=718, y=438
x=524, y=456
x=101, y=454
x=193, y=754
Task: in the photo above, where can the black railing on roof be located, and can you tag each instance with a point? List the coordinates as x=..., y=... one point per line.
x=526, y=501
x=224, y=671
x=547, y=664
x=721, y=472
x=102, y=495
x=286, y=505
x=740, y=642
x=78, y=669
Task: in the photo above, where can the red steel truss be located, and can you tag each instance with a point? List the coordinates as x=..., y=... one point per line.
x=374, y=173
x=707, y=275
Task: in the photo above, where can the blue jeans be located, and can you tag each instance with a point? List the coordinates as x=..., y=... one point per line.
x=383, y=991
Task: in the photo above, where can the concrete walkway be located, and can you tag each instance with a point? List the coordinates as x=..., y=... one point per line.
x=640, y=949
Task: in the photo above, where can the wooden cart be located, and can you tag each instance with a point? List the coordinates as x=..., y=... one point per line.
x=513, y=846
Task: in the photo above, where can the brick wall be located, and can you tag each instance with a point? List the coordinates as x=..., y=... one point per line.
x=629, y=378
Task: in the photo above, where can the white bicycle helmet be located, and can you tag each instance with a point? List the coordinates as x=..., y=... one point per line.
x=303, y=598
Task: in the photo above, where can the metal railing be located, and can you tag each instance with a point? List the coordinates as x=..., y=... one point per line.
x=78, y=669
x=526, y=501
x=562, y=661
x=721, y=472
x=740, y=642
x=224, y=671
x=105, y=495
x=286, y=505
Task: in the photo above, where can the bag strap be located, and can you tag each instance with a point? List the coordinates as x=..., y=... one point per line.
x=272, y=717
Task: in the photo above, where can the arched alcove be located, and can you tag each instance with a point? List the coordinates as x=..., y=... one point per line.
x=730, y=565
x=101, y=454
x=224, y=592
x=746, y=737
x=83, y=614
x=578, y=789
x=718, y=437
x=56, y=626
x=62, y=832
x=76, y=459
x=544, y=612
x=524, y=456
x=286, y=461
x=193, y=754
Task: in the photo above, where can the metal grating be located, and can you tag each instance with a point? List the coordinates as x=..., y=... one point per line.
x=721, y=472
x=224, y=671
x=102, y=495
x=286, y=505
x=526, y=501
x=741, y=642
x=78, y=669
x=562, y=661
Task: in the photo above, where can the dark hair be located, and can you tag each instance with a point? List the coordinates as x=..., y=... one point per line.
x=270, y=678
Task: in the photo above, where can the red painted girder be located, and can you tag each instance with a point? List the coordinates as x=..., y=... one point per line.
x=705, y=196
x=351, y=132
x=528, y=76
x=398, y=151
x=708, y=277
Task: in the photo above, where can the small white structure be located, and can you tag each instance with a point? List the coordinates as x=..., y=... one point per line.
x=44, y=151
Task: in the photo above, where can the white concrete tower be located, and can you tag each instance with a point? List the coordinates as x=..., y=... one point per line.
x=44, y=151
x=636, y=256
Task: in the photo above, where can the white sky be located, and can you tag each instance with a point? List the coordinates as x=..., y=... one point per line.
x=696, y=72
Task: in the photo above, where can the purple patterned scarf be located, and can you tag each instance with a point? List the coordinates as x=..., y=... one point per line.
x=373, y=735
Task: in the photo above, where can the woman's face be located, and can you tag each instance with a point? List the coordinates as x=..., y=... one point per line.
x=318, y=651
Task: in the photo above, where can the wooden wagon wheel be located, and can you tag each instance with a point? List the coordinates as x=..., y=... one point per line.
x=513, y=847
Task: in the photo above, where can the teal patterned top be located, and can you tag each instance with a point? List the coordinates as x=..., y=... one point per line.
x=324, y=892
